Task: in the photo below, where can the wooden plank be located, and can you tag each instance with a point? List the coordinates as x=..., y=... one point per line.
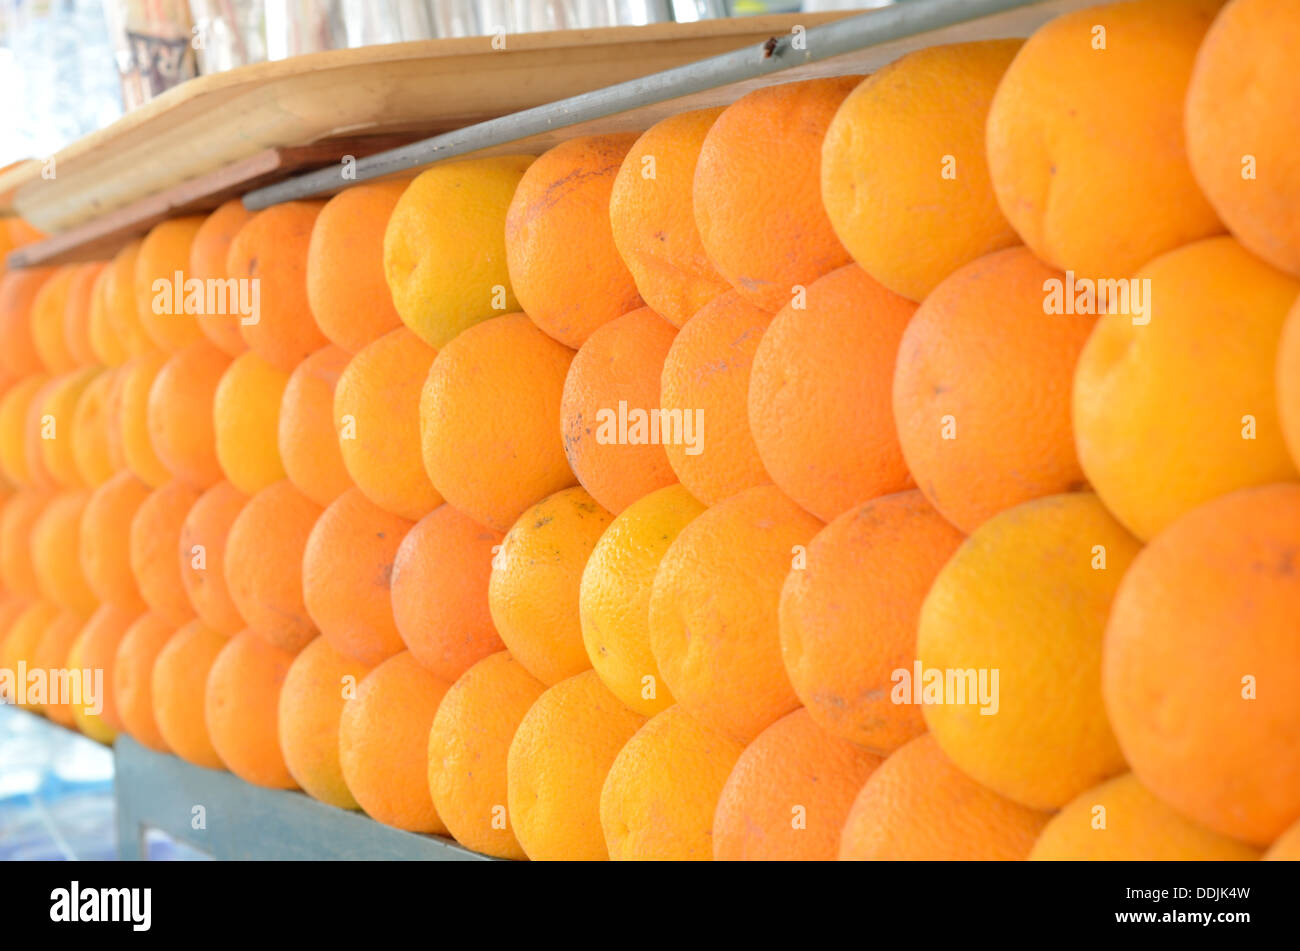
x=430, y=86
x=101, y=238
x=241, y=821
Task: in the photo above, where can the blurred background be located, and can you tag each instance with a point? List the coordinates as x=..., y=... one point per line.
x=68, y=67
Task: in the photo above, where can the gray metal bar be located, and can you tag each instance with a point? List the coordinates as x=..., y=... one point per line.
x=158, y=791
x=820, y=43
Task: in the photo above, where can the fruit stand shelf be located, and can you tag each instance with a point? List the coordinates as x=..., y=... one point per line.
x=159, y=791
x=539, y=90
x=805, y=50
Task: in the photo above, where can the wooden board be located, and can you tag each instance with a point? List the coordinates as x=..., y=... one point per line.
x=423, y=87
x=100, y=238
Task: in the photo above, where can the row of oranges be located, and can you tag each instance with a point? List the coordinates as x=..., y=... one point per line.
x=886, y=468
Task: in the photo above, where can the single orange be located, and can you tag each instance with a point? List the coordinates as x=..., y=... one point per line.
x=706, y=377
x=789, y=793
x=309, y=447
x=384, y=744
x=440, y=591
x=240, y=709
x=819, y=394
x=155, y=539
x=263, y=565
x=491, y=403
x=558, y=237
x=271, y=248
x=614, y=434
x=758, y=201
x=347, y=568
x=203, y=557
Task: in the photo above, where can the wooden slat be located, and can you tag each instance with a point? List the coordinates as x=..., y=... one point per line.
x=100, y=238
x=431, y=86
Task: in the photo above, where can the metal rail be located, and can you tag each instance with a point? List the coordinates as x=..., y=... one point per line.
x=226, y=818
x=873, y=28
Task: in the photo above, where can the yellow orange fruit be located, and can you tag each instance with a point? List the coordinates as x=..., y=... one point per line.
x=57, y=433
x=1286, y=847
x=47, y=316
x=17, y=519
x=706, y=378
x=263, y=565
x=11, y=608
x=137, y=650
x=155, y=539
x=908, y=192
x=120, y=301
x=105, y=541
x=658, y=799
x=14, y=407
x=1203, y=719
x=1288, y=383
x=246, y=422
x=180, y=677
x=557, y=763
x=1171, y=414
x=789, y=793
x=384, y=744
x=76, y=313
x=1090, y=115
x=558, y=237
x=347, y=569
x=918, y=806
x=758, y=202
x=1048, y=565
x=1121, y=821
x=652, y=214
x=24, y=634
x=614, y=596
x=445, y=247
x=271, y=248
x=55, y=548
x=613, y=433
x=490, y=404
x=128, y=413
x=208, y=253
x=18, y=289
x=90, y=426
x=51, y=656
x=36, y=427
x=86, y=706
x=203, y=557
x=309, y=448
x=180, y=412
x=97, y=649
x=536, y=576
x=440, y=591
x=376, y=418
x=346, y=287
x=714, y=607
x=318, y=684
x=105, y=343
x=161, y=276
x=981, y=390
x=240, y=708
x=819, y=394
x=1241, y=99
x=848, y=617
x=468, y=744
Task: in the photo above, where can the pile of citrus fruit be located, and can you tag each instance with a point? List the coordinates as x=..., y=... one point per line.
x=900, y=466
